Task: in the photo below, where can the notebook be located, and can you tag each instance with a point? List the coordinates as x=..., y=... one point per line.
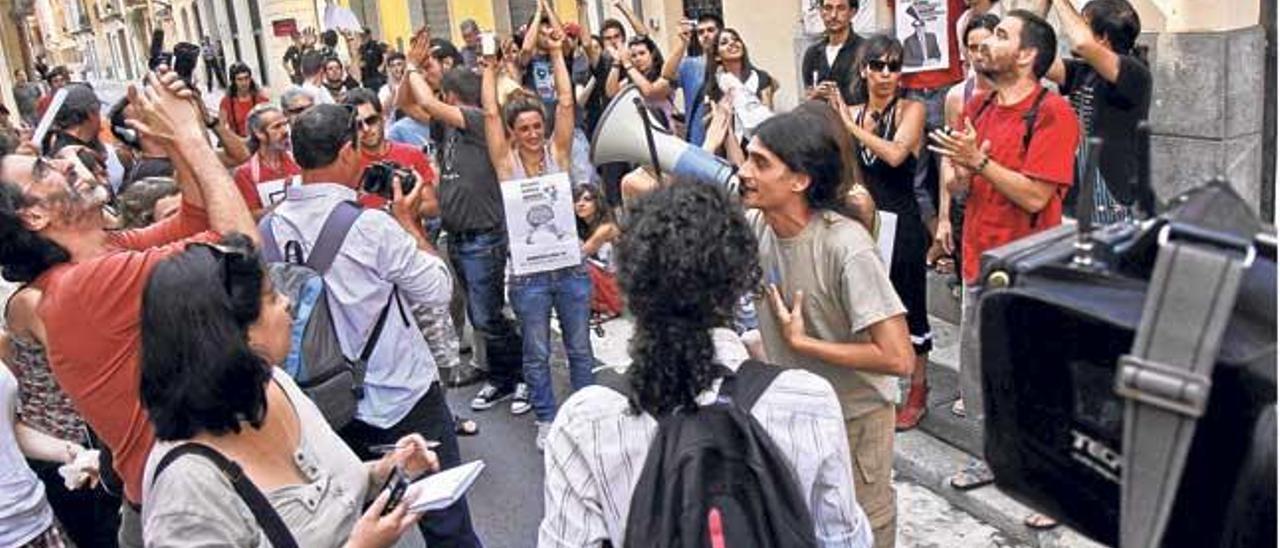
x=442, y=489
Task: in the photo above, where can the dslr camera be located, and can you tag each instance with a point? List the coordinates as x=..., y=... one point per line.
x=377, y=178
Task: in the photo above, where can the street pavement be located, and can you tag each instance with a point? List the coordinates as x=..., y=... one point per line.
x=506, y=501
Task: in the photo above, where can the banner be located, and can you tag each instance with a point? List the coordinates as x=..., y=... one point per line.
x=541, y=227
x=921, y=26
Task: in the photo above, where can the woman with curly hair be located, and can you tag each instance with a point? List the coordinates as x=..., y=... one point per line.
x=686, y=259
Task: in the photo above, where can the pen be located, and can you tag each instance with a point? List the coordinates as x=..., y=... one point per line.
x=385, y=448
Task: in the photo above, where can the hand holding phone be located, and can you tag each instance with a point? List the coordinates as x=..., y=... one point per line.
x=488, y=44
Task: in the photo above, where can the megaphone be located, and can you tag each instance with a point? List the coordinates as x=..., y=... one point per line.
x=620, y=137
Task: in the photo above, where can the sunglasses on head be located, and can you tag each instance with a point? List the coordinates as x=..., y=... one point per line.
x=877, y=65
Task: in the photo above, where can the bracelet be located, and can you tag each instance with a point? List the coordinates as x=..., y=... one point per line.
x=982, y=165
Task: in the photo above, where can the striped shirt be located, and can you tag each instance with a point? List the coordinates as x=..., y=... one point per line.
x=596, y=450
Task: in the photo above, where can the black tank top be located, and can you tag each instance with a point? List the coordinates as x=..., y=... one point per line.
x=892, y=187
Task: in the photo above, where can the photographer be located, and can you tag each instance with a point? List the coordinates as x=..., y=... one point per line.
x=384, y=261
x=53, y=235
x=371, y=124
x=267, y=425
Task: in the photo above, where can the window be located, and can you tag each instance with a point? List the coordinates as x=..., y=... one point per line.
x=696, y=8
x=434, y=14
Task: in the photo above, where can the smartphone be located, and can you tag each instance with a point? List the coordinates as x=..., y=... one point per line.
x=488, y=44
x=397, y=483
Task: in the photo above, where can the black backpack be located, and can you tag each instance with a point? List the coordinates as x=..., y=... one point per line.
x=713, y=476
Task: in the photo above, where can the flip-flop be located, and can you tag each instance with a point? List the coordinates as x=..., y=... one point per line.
x=957, y=408
x=1040, y=522
x=465, y=427
x=975, y=475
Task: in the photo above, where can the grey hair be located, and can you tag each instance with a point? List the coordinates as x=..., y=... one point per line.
x=294, y=92
x=469, y=25
x=254, y=123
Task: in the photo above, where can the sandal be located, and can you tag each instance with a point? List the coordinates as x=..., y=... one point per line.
x=1040, y=522
x=976, y=474
x=465, y=427
x=957, y=408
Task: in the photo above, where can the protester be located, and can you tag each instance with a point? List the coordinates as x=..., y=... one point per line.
x=828, y=65
x=337, y=81
x=471, y=44
x=1110, y=88
x=597, y=231
x=240, y=99
x=519, y=148
x=947, y=243
x=149, y=201
x=272, y=160
x=852, y=332
x=728, y=55
x=88, y=514
x=295, y=100
x=889, y=132
x=79, y=123
x=640, y=64
x=293, y=57
x=638, y=25
x=52, y=235
x=472, y=214
x=613, y=34
x=974, y=8
x=687, y=71
x=395, y=63
x=685, y=260
x=375, y=147
x=372, y=54
x=26, y=94
x=221, y=387
x=56, y=78
x=214, y=62
x=1014, y=156
x=314, y=74
x=384, y=263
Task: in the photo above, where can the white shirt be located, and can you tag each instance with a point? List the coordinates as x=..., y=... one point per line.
x=318, y=93
x=596, y=450
x=376, y=254
x=24, y=512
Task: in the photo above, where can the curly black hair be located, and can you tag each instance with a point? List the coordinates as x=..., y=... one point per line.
x=685, y=259
x=24, y=255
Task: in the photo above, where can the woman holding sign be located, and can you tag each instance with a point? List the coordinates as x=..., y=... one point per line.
x=520, y=152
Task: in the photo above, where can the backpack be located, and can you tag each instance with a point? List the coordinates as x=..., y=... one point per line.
x=713, y=476
x=316, y=361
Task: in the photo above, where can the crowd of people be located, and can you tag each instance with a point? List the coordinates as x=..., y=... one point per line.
x=150, y=395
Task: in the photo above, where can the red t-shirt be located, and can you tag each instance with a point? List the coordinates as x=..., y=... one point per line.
x=236, y=112
x=406, y=156
x=92, y=313
x=247, y=183
x=954, y=71
x=991, y=219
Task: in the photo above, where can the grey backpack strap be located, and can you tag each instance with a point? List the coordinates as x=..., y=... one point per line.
x=1166, y=378
x=271, y=251
x=332, y=234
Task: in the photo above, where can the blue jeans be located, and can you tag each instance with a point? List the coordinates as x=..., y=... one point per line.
x=480, y=259
x=568, y=291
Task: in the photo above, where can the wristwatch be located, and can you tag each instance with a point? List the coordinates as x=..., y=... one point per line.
x=982, y=165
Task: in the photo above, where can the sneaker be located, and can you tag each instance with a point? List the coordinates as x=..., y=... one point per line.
x=520, y=400
x=488, y=396
x=544, y=428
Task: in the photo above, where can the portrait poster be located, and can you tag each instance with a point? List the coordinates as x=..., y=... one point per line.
x=921, y=26
x=541, y=227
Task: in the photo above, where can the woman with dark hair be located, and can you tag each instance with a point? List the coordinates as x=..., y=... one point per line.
x=597, y=231
x=640, y=63
x=687, y=258
x=207, y=378
x=240, y=99
x=728, y=55
x=889, y=132
x=519, y=149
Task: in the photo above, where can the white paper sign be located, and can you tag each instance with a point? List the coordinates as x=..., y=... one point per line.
x=271, y=193
x=921, y=26
x=886, y=230
x=541, y=228
x=339, y=18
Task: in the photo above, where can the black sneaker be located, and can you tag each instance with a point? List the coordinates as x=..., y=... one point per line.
x=489, y=396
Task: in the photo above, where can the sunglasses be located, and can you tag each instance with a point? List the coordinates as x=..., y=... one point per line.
x=370, y=121
x=877, y=65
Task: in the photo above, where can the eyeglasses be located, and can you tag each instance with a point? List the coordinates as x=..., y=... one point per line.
x=877, y=65
x=370, y=121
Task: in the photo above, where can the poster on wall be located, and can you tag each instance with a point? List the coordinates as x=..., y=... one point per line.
x=864, y=21
x=921, y=26
x=541, y=227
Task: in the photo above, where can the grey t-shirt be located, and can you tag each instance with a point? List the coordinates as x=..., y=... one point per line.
x=193, y=504
x=470, y=199
x=846, y=290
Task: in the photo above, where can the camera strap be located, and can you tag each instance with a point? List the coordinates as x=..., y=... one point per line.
x=1166, y=378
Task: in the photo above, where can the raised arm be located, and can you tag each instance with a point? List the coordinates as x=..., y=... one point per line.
x=354, y=39
x=562, y=139
x=530, y=45
x=637, y=26
x=671, y=67
x=495, y=131
x=653, y=91
x=414, y=88
x=613, y=83
x=1084, y=44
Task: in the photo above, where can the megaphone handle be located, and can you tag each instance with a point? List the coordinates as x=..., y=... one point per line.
x=648, y=137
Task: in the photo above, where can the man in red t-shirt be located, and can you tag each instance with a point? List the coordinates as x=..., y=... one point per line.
x=375, y=147
x=240, y=99
x=53, y=235
x=1016, y=173
x=271, y=168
